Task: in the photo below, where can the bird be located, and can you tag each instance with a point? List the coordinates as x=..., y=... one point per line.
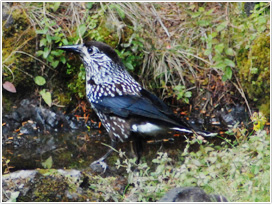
x=126, y=109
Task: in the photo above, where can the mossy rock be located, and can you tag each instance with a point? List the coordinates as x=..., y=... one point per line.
x=254, y=72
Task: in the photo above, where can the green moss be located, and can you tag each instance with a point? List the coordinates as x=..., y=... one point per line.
x=47, y=189
x=19, y=36
x=254, y=72
x=7, y=104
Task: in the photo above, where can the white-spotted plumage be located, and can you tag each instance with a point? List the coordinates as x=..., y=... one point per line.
x=106, y=76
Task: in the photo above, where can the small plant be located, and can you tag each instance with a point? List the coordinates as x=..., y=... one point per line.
x=47, y=164
x=182, y=93
x=259, y=120
x=132, y=54
x=5, y=163
x=240, y=172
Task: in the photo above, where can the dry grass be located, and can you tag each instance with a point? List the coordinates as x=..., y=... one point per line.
x=173, y=49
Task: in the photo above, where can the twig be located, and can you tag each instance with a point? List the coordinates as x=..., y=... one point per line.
x=35, y=59
x=10, y=71
x=159, y=19
x=179, y=51
x=241, y=91
x=110, y=147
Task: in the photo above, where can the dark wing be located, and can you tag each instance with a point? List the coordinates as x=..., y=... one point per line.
x=147, y=105
x=157, y=102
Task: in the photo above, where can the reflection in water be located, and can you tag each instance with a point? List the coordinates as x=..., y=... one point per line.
x=77, y=149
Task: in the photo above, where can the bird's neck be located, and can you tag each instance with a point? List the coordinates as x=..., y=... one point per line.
x=105, y=84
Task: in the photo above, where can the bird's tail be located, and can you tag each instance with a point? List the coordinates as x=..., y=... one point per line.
x=202, y=133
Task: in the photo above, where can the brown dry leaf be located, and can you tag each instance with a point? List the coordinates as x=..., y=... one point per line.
x=9, y=87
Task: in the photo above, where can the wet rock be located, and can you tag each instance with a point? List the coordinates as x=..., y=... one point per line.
x=72, y=122
x=190, y=194
x=62, y=185
x=44, y=120
x=42, y=185
x=5, y=129
x=15, y=116
x=49, y=144
x=15, y=183
x=38, y=117
x=229, y=116
x=52, y=119
x=30, y=128
x=9, y=125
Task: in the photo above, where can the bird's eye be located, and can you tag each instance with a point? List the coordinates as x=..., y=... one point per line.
x=90, y=50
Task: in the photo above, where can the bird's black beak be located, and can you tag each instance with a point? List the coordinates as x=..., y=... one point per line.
x=72, y=48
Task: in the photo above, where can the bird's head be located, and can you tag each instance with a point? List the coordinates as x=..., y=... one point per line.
x=97, y=56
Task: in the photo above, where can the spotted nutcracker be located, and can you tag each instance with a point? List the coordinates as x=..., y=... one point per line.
x=127, y=110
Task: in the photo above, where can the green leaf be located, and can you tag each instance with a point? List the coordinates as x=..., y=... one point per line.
x=56, y=38
x=228, y=74
x=65, y=42
x=261, y=20
x=82, y=29
x=221, y=26
x=43, y=42
x=46, y=97
x=188, y=94
x=48, y=38
x=50, y=59
x=220, y=65
x=53, y=23
x=39, y=80
x=55, y=64
x=219, y=48
x=203, y=23
x=254, y=70
x=229, y=62
x=120, y=12
x=89, y=5
x=129, y=66
x=180, y=95
x=45, y=52
x=207, y=52
x=57, y=53
x=47, y=164
x=214, y=34
x=39, y=53
x=230, y=52
x=63, y=59
x=210, y=11
x=44, y=31
x=201, y=9
x=54, y=53
x=56, y=6
x=195, y=14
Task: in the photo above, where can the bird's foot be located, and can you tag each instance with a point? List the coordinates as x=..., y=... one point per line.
x=99, y=166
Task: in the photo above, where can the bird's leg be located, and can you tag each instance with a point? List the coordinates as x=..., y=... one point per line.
x=138, y=149
x=98, y=164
